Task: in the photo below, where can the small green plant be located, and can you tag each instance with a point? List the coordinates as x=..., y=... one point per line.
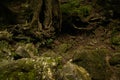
x=49, y=41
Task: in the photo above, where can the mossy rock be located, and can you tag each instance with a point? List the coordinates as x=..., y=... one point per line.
x=115, y=39
x=93, y=61
x=25, y=50
x=73, y=72
x=114, y=62
x=5, y=35
x=41, y=68
x=115, y=59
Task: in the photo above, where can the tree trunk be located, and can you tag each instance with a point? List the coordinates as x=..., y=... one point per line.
x=39, y=18
x=46, y=17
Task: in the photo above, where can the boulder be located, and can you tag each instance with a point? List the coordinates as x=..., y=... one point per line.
x=41, y=68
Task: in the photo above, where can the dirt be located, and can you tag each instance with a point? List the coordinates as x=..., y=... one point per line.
x=92, y=51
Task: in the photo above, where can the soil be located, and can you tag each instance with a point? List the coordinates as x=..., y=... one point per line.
x=92, y=51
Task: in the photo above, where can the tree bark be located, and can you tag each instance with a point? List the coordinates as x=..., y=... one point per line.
x=46, y=17
x=39, y=18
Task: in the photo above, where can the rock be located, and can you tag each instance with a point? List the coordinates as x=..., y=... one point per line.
x=114, y=63
x=20, y=51
x=26, y=50
x=115, y=59
x=73, y=72
x=5, y=35
x=115, y=39
x=93, y=61
x=31, y=49
x=41, y=68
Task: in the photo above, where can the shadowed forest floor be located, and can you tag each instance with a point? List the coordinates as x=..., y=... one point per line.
x=89, y=40
x=94, y=51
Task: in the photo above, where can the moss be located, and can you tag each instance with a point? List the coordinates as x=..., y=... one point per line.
x=49, y=41
x=74, y=7
x=115, y=38
x=31, y=49
x=72, y=72
x=5, y=35
x=63, y=48
x=42, y=68
x=20, y=76
x=94, y=62
x=4, y=44
x=115, y=59
x=6, y=50
x=25, y=50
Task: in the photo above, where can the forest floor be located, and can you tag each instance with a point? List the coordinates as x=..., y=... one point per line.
x=98, y=39
x=98, y=50
x=93, y=51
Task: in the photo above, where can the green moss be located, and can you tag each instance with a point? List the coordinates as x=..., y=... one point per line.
x=74, y=7
x=4, y=44
x=115, y=38
x=5, y=50
x=94, y=62
x=63, y=48
x=72, y=72
x=40, y=68
x=19, y=76
x=49, y=41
